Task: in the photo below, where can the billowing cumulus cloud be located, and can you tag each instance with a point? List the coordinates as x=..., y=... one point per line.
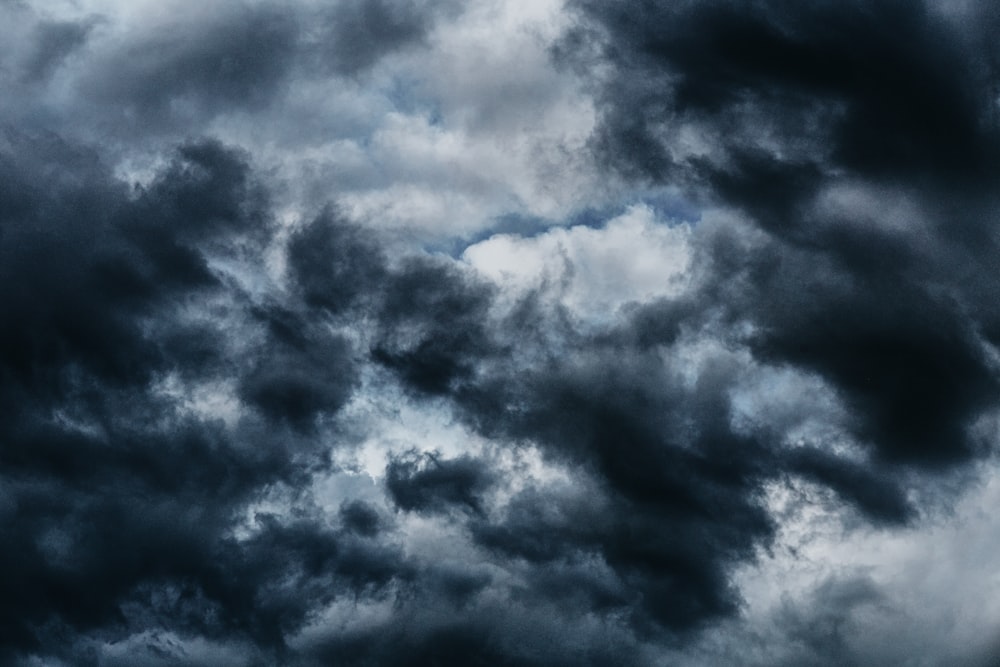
x=499, y=333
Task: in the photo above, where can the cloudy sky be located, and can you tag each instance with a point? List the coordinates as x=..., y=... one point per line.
x=499, y=332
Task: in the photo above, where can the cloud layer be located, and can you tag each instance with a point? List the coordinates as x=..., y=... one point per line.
x=503, y=333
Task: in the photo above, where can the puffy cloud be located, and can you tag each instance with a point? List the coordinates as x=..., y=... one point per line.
x=593, y=272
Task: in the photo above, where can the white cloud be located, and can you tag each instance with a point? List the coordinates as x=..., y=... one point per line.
x=933, y=587
x=593, y=272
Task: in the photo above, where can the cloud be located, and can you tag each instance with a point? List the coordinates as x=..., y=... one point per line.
x=427, y=483
x=502, y=334
x=772, y=110
x=594, y=272
x=334, y=263
x=205, y=66
x=116, y=498
x=54, y=42
x=358, y=33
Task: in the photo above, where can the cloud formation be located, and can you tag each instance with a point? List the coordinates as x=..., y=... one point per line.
x=807, y=120
x=674, y=344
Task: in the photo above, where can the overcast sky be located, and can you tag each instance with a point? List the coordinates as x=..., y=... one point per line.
x=499, y=332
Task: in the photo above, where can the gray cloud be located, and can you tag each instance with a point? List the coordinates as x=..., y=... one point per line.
x=242, y=424
x=356, y=34
x=191, y=70
x=54, y=42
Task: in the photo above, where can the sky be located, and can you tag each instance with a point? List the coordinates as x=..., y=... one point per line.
x=499, y=332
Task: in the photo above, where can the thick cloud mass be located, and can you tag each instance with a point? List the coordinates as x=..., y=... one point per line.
x=804, y=118
x=725, y=391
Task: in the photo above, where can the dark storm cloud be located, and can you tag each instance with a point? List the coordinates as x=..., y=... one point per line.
x=306, y=373
x=873, y=491
x=665, y=462
x=430, y=319
x=854, y=146
x=429, y=483
x=678, y=489
x=84, y=259
x=884, y=89
x=470, y=642
x=433, y=325
x=360, y=517
x=667, y=466
x=115, y=499
x=335, y=263
x=906, y=362
x=791, y=102
x=125, y=513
